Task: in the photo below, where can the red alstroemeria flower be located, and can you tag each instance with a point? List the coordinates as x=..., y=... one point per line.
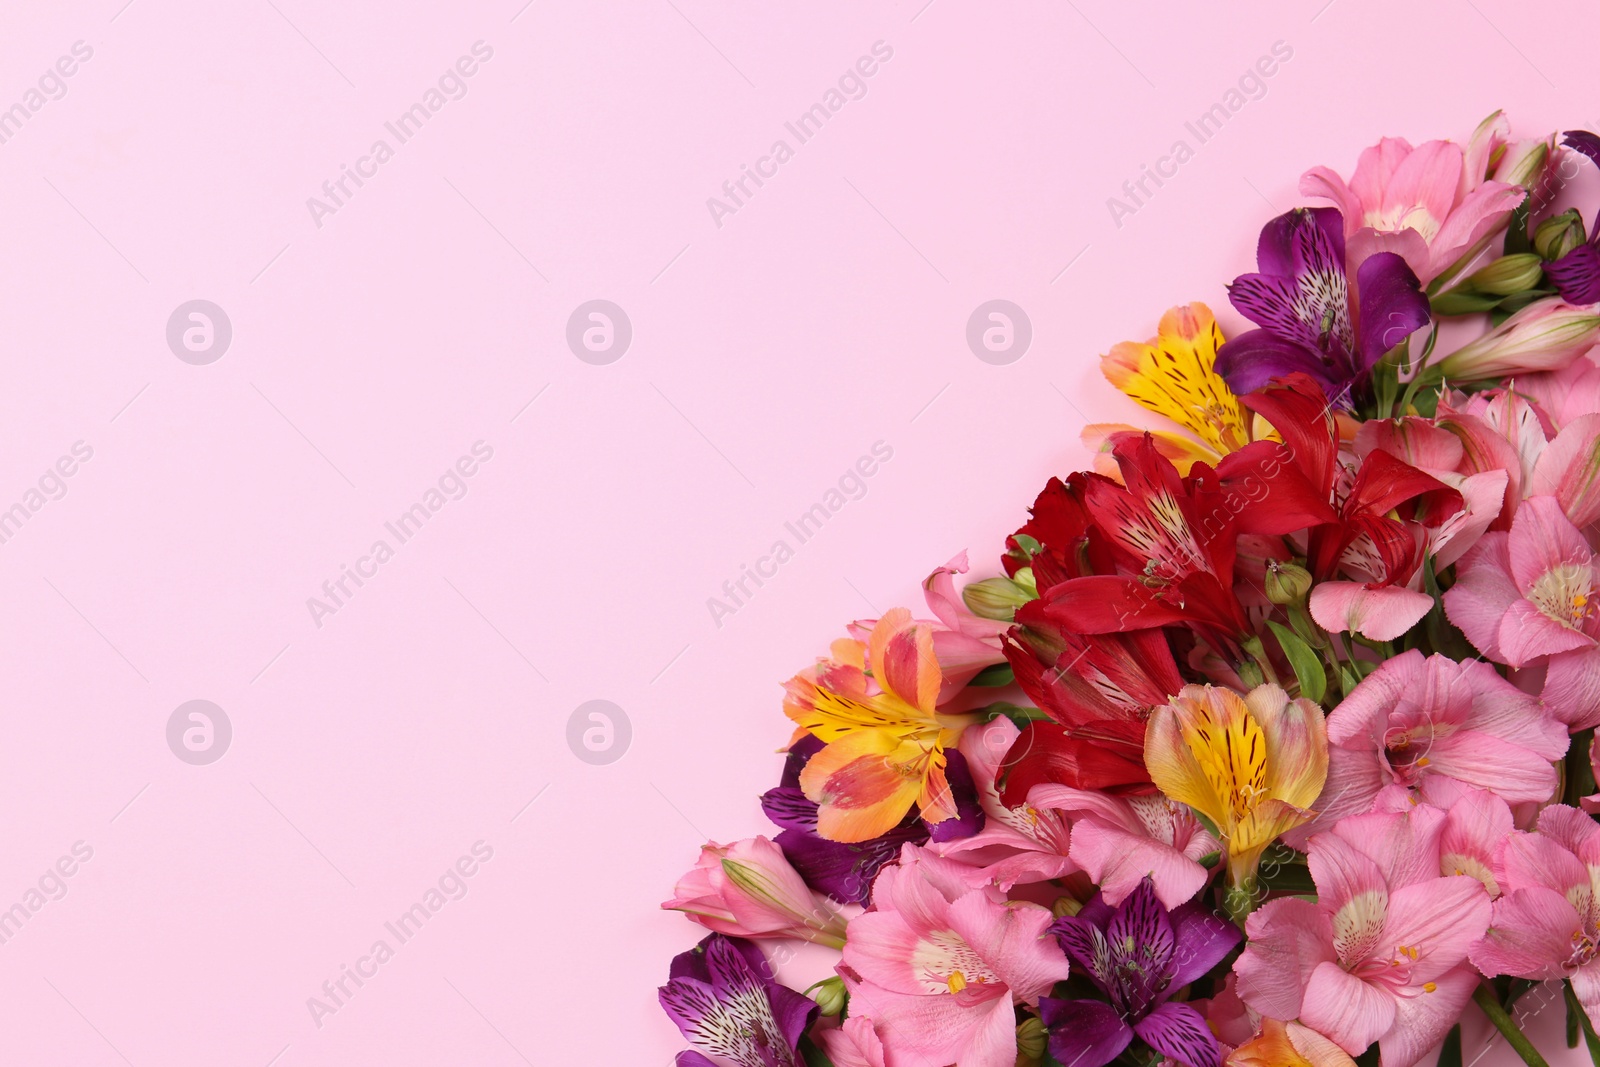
x=1098, y=690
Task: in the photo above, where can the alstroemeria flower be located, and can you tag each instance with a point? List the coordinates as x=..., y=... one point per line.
x=1017, y=844
x=1421, y=203
x=1253, y=765
x=1139, y=955
x=748, y=889
x=1528, y=596
x=940, y=966
x=1425, y=728
x=884, y=735
x=1119, y=841
x=1311, y=322
x=1547, y=923
x=722, y=996
x=1172, y=375
x=1380, y=955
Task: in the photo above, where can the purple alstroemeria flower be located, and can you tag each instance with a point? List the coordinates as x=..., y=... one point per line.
x=1576, y=275
x=846, y=872
x=722, y=996
x=1309, y=319
x=1139, y=954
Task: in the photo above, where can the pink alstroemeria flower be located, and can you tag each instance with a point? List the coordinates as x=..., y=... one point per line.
x=1381, y=954
x=1547, y=925
x=1016, y=845
x=1527, y=597
x=939, y=967
x=1566, y=394
x=1119, y=840
x=1418, y=202
x=749, y=889
x=1427, y=729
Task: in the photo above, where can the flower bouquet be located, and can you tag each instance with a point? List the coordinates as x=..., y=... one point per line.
x=1269, y=741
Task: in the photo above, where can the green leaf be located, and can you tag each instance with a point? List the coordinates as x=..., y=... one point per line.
x=1018, y=714
x=1307, y=666
x=812, y=1053
x=993, y=676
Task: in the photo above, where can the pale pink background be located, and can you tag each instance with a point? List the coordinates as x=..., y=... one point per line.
x=768, y=354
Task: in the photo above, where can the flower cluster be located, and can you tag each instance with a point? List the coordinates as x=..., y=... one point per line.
x=1268, y=740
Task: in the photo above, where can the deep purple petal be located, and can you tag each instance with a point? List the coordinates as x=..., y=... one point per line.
x=1320, y=241
x=1084, y=1033
x=1275, y=248
x=1268, y=300
x=799, y=753
x=1254, y=358
x=846, y=872
x=690, y=1058
x=1577, y=275
x=1392, y=304
x=692, y=964
x=1203, y=939
x=1142, y=942
x=1177, y=1031
x=1097, y=911
x=968, y=818
x=1086, y=946
x=1585, y=142
x=790, y=809
x=794, y=1012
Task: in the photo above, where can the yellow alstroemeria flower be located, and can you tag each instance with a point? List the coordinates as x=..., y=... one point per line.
x=885, y=744
x=1253, y=765
x=1173, y=376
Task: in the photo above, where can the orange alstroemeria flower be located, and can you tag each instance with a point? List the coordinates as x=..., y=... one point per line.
x=874, y=705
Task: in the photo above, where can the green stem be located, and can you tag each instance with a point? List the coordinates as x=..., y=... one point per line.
x=1486, y=1000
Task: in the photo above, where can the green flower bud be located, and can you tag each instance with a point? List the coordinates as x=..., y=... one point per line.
x=1556, y=236
x=1031, y=1039
x=1065, y=906
x=830, y=995
x=1287, y=583
x=1509, y=274
x=999, y=598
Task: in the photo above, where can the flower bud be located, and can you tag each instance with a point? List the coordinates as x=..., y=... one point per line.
x=1523, y=162
x=830, y=995
x=1031, y=1039
x=749, y=889
x=1559, y=234
x=1066, y=906
x=1547, y=335
x=1509, y=274
x=999, y=598
x=1287, y=583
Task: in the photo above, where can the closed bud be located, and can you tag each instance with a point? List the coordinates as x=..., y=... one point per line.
x=1559, y=234
x=999, y=598
x=1287, y=583
x=1547, y=335
x=1031, y=1040
x=1509, y=274
x=1523, y=162
x=830, y=995
x=1065, y=907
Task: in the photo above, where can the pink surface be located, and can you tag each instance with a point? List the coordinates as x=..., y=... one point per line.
x=382, y=739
